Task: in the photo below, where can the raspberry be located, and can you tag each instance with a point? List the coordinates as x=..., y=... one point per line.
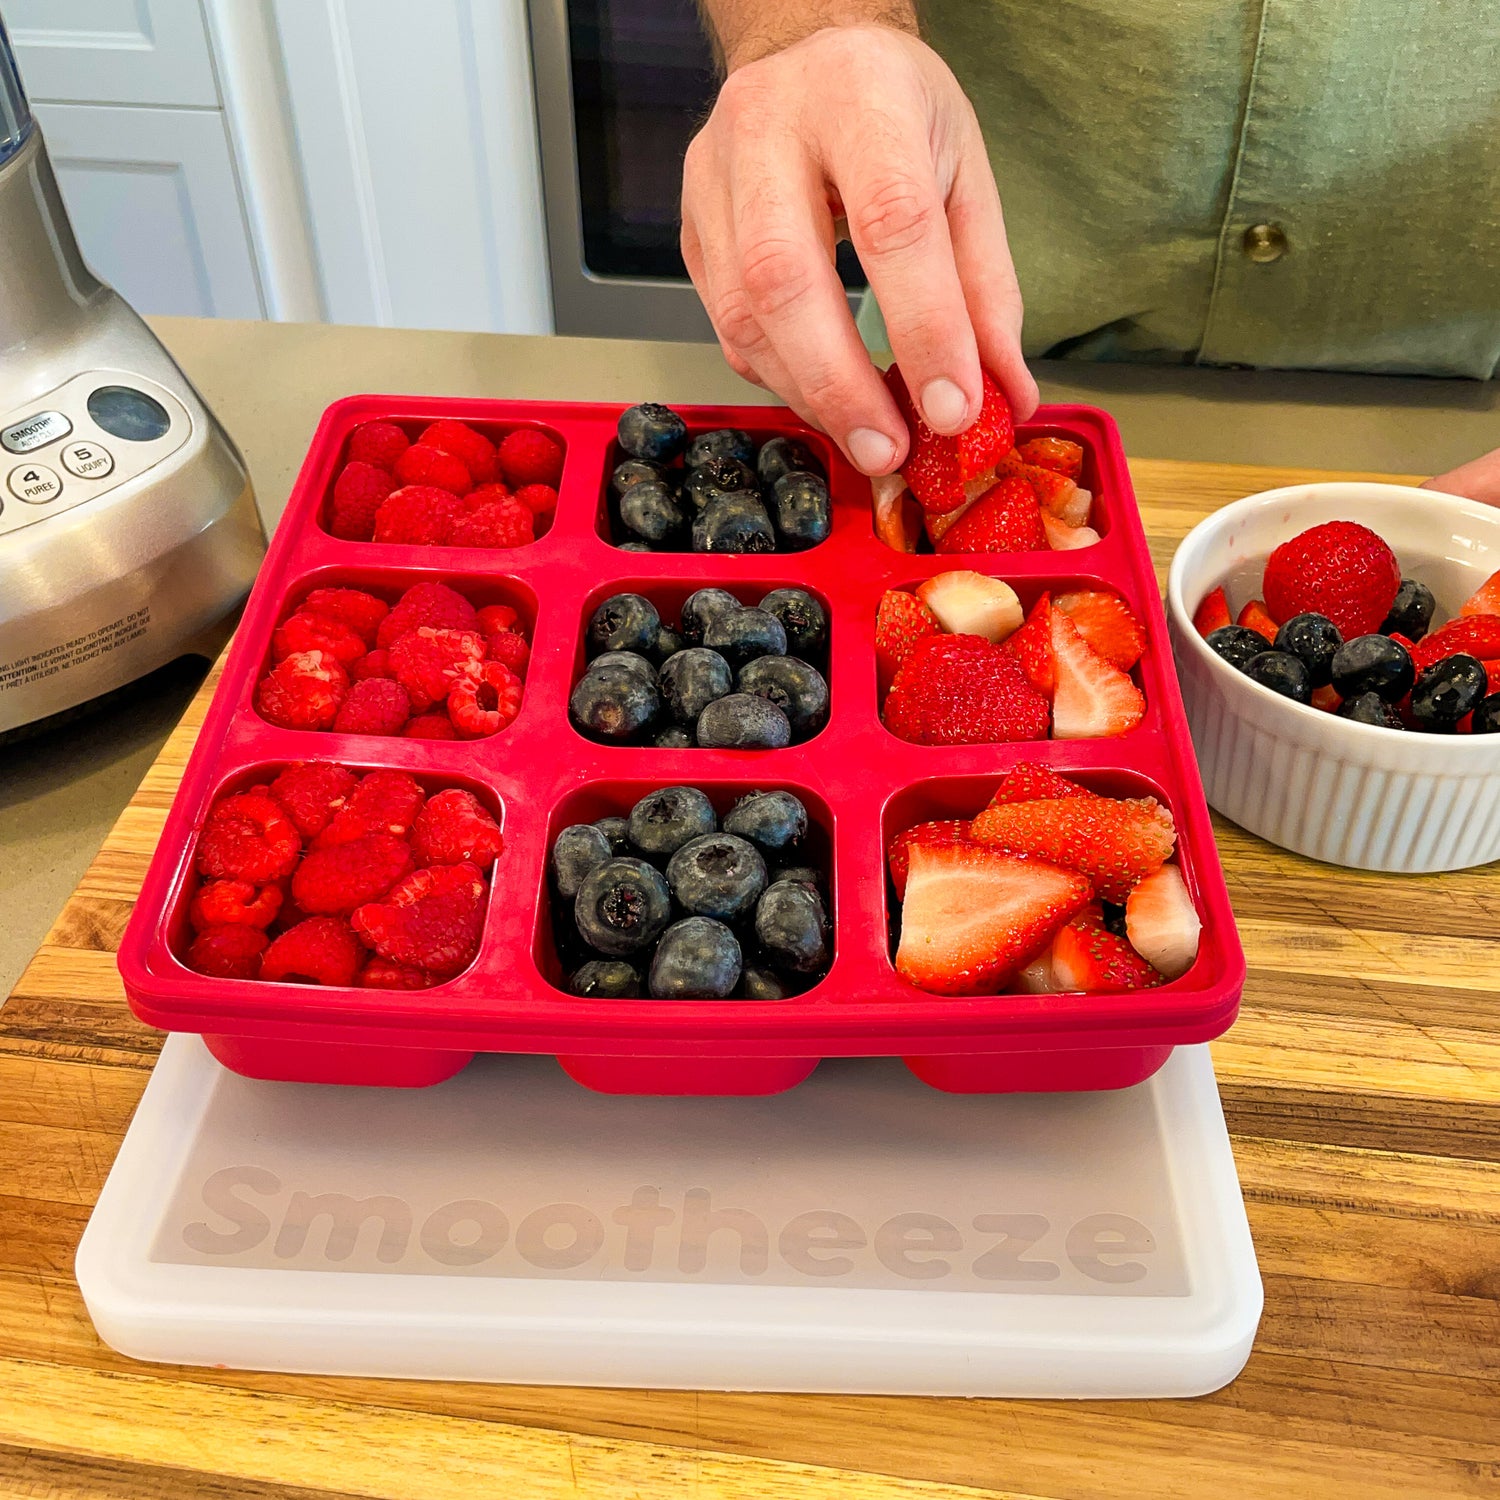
x=476, y=451
x=494, y=618
x=332, y=882
x=433, y=604
x=506, y=523
x=234, y=903
x=373, y=664
x=311, y=792
x=421, y=465
x=360, y=611
x=484, y=700
x=420, y=515
x=428, y=662
x=358, y=493
x=539, y=499
x=530, y=457
x=378, y=443
x=375, y=706
x=248, y=837
x=230, y=952
x=432, y=920
x=430, y=727
x=383, y=802
x=321, y=950
x=305, y=691
x=510, y=648
x=485, y=494
x=382, y=974
x=454, y=828
x=304, y=631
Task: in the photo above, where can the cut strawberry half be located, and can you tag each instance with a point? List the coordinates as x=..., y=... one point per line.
x=1104, y=620
x=1254, y=617
x=1032, y=644
x=1087, y=958
x=898, y=517
x=1326, y=698
x=927, y=836
x=1029, y=782
x=1161, y=923
x=900, y=622
x=936, y=466
x=1212, y=614
x=968, y=603
x=1006, y=518
x=973, y=917
x=1064, y=538
x=1058, y=495
x=1485, y=600
x=1476, y=635
x=963, y=690
x=1093, y=698
x=1114, y=841
x=1059, y=454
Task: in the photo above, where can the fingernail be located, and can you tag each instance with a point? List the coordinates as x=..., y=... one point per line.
x=872, y=451
x=944, y=405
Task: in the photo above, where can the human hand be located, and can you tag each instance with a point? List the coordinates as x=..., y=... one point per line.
x=868, y=125
x=1479, y=479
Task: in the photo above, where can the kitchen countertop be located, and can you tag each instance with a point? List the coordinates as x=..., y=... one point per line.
x=268, y=382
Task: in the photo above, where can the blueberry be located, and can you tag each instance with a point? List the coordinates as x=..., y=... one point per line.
x=1313, y=639
x=668, y=643
x=674, y=737
x=742, y=721
x=734, y=523
x=775, y=822
x=1236, y=644
x=691, y=680
x=797, y=689
x=1448, y=690
x=701, y=607
x=697, y=959
x=1281, y=672
x=803, y=619
x=1370, y=708
x=650, y=512
x=803, y=514
x=653, y=432
x=1411, y=613
x=718, y=477
x=792, y=927
x=617, y=831
x=623, y=664
x=1486, y=718
x=606, y=979
x=784, y=455
x=722, y=442
x=1373, y=664
x=634, y=471
x=613, y=705
x=717, y=875
x=740, y=635
x=1113, y=917
x=762, y=984
x=622, y=907
x=664, y=820
x=802, y=875
x=635, y=546
x=624, y=622
x=579, y=848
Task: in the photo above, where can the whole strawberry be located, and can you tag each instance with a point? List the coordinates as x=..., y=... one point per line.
x=1340, y=570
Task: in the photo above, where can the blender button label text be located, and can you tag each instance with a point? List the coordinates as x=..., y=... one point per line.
x=36, y=431
x=87, y=460
x=35, y=483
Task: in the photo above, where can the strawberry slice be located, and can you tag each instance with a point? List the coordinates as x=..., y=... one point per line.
x=1161, y=923
x=1032, y=644
x=1254, y=617
x=1212, y=614
x=1114, y=841
x=900, y=622
x=1029, y=782
x=936, y=466
x=1326, y=698
x=1093, y=698
x=973, y=917
x=968, y=603
x=1485, y=600
x=1104, y=620
x=898, y=517
x=1064, y=538
x=928, y=836
x=1058, y=495
x=1054, y=453
x=1006, y=519
x=963, y=690
x=1088, y=959
x=1035, y=978
x=1477, y=635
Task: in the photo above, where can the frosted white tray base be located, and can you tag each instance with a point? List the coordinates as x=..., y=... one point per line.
x=862, y=1233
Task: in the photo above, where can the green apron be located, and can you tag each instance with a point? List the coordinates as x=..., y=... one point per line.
x=1301, y=184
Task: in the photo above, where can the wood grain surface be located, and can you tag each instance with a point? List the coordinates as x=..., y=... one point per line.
x=1362, y=1088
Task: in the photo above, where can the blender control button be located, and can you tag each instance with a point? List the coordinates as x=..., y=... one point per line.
x=36, y=431
x=87, y=460
x=34, y=483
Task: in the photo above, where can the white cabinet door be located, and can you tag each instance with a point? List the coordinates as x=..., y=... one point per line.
x=154, y=202
x=113, y=51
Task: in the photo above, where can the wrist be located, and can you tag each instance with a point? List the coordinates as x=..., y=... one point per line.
x=756, y=39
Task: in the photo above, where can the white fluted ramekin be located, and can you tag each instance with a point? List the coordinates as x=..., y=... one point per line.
x=1350, y=794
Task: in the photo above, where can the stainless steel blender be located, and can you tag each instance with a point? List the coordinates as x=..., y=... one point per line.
x=127, y=523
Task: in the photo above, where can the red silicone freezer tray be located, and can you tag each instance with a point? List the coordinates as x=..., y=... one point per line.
x=861, y=786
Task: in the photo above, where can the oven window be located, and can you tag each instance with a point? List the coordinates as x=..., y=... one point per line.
x=643, y=79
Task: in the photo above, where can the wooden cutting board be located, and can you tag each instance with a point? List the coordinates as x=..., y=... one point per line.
x=1361, y=1084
